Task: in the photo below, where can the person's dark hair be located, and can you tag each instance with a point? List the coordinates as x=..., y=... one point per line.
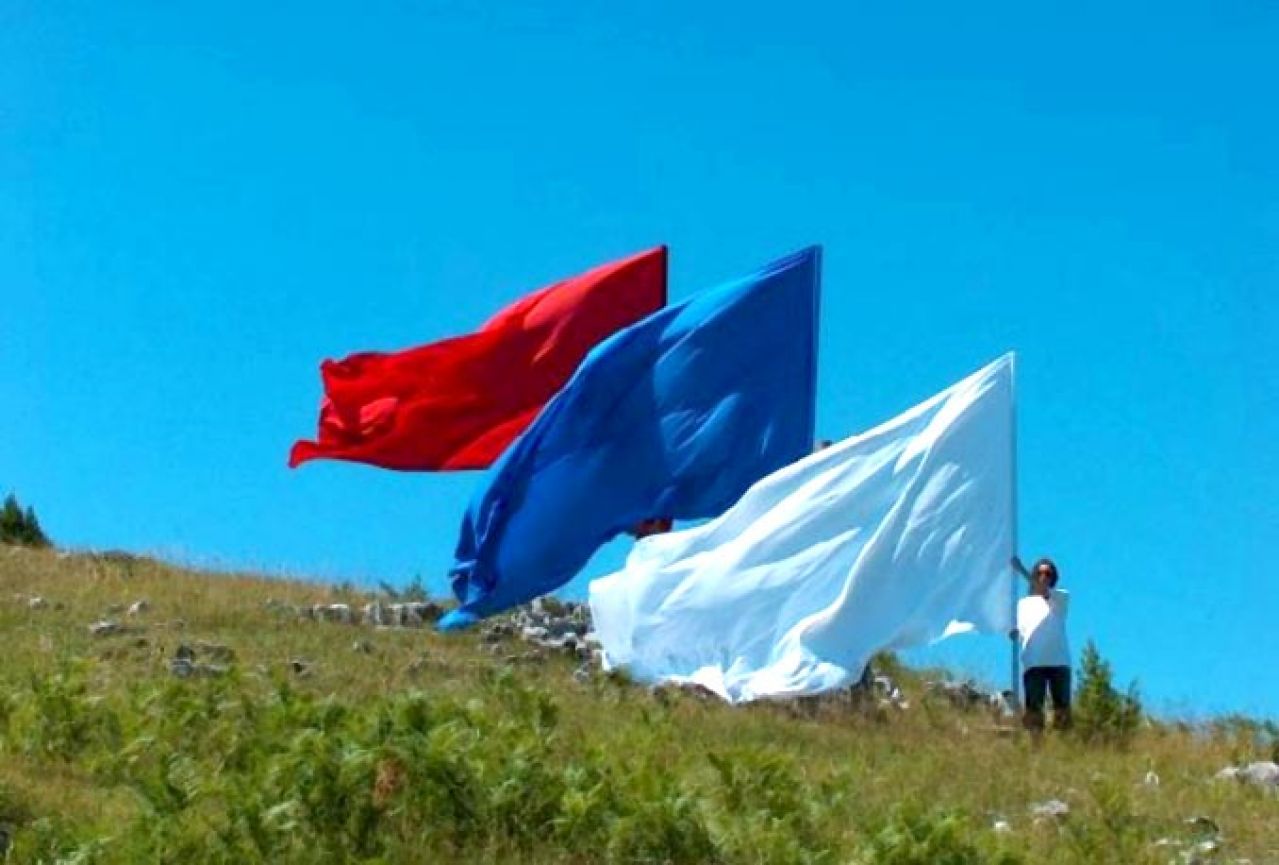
x=1052, y=570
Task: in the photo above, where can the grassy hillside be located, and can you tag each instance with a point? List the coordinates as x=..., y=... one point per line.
x=324, y=742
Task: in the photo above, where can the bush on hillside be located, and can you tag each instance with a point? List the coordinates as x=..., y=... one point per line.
x=1102, y=712
x=19, y=526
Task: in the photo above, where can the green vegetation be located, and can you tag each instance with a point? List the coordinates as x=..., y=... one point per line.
x=18, y=526
x=329, y=743
x=1103, y=714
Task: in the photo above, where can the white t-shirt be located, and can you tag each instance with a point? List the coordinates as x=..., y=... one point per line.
x=1041, y=623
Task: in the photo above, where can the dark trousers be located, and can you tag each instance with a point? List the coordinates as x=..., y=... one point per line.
x=1041, y=681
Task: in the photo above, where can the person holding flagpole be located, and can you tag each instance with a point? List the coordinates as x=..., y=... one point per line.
x=1045, y=650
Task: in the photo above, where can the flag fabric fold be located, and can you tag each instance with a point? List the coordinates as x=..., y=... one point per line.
x=892, y=538
x=673, y=417
x=458, y=403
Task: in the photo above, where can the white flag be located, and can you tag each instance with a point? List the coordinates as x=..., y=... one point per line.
x=892, y=538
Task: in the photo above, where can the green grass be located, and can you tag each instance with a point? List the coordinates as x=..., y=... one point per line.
x=423, y=748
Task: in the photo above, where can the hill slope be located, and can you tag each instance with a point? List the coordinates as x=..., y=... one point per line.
x=300, y=741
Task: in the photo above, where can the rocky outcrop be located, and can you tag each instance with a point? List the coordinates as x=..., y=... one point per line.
x=375, y=614
x=410, y=614
x=549, y=624
x=967, y=695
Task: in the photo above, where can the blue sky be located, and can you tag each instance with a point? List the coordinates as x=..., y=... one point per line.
x=198, y=202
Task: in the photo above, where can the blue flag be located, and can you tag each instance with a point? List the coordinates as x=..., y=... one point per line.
x=675, y=416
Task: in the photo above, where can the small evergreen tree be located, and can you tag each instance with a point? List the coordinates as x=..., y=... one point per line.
x=35, y=535
x=12, y=521
x=1103, y=713
x=18, y=526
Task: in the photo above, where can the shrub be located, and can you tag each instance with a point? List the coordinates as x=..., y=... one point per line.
x=13, y=814
x=1113, y=832
x=57, y=717
x=1102, y=713
x=663, y=823
x=913, y=837
x=48, y=840
x=769, y=811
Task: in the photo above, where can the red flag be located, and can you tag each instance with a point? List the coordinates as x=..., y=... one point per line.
x=457, y=403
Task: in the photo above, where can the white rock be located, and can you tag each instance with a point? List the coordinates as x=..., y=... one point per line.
x=1053, y=809
x=139, y=607
x=561, y=627
x=37, y=603
x=1262, y=774
x=333, y=613
x=569, y=643
x=1002, y=827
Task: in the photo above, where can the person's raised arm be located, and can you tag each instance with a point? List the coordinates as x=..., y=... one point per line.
x=1020, y=568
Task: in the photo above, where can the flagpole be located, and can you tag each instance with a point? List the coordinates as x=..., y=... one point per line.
x=1015, y=688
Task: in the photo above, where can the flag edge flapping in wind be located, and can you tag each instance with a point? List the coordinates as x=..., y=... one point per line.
x=371, y=419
